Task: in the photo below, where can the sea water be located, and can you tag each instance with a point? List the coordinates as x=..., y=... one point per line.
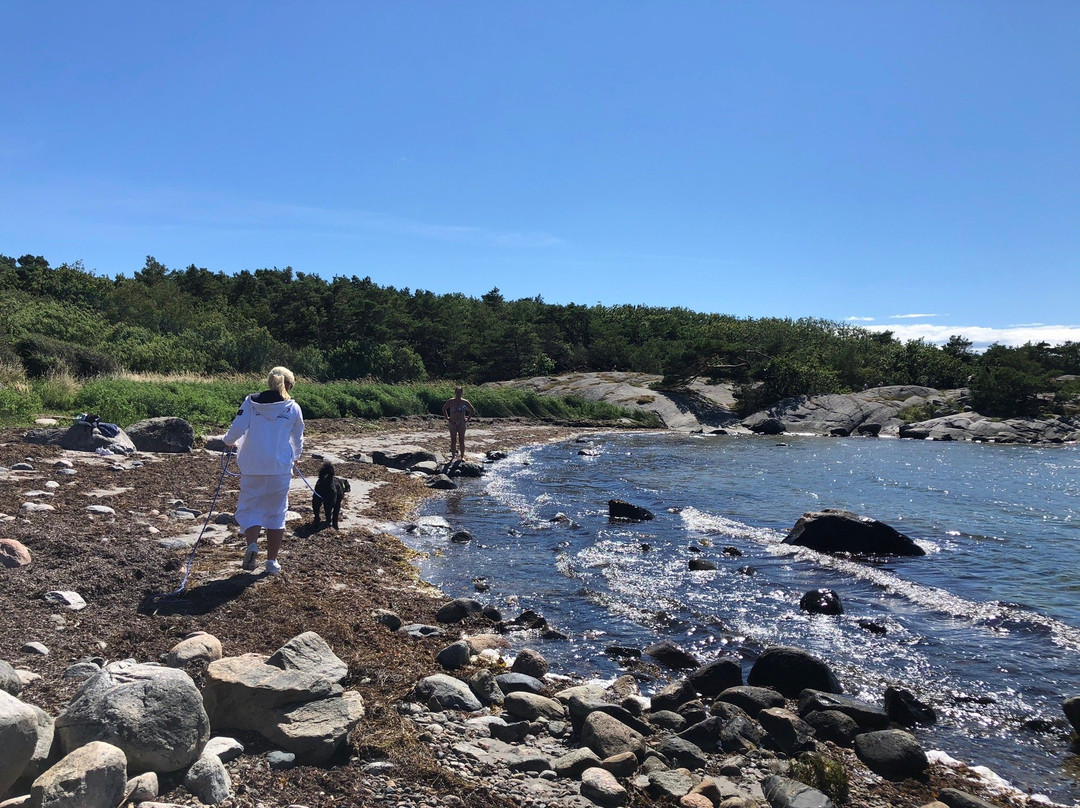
x=985, y=627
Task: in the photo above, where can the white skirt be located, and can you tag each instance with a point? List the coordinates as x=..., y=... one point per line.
x=263, y=501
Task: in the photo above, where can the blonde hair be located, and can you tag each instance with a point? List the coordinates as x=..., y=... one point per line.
x=278, y=378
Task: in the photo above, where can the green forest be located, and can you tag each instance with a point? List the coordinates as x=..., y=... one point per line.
x=68, y=321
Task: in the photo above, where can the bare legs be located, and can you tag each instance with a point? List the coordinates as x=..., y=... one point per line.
x=274, y=538
x=457, y=440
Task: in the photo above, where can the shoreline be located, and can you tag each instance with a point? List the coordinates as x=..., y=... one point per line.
x=333, y=582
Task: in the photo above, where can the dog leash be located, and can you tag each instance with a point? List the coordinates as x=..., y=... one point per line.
x=226, y=456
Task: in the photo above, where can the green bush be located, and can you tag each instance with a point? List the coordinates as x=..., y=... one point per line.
x=17, y=407
x=42, y=355
x=825, y=774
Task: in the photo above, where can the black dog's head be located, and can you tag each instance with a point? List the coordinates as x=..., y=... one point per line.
x=327, y=470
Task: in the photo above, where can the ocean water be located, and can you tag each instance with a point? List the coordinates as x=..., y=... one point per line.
x=985, y=627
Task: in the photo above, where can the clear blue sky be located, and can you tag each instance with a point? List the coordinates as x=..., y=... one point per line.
x=839, y=160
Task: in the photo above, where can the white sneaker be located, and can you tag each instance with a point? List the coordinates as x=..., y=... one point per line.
x=272, y=567
x=250, y=556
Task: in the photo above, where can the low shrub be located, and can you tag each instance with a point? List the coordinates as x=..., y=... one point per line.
x=823, y=773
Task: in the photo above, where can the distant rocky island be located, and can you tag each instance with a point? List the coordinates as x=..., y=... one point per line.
x=904, y=411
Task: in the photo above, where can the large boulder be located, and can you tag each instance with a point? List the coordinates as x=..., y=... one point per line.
x=402, y=457
x=821, y=601
x=83, y=436
x=608, y=736
x=291, y=698
x=172, y=435
x=18, y=738
x=9, y=679
x=837, y=531
x=867, y=716
x=891, y=753
x=792, y=670
x=752, y=699
x=198, y=646
x=92, y=776
x=154, y=714
x=716, y=676
x=787, y=732
x=672, y=656
x=443, y=692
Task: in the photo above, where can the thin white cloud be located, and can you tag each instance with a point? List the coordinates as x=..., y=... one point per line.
x=912, y=316
x=983, y=336
x=861, y=319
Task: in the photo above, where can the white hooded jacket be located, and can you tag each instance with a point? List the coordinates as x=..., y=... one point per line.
x=269, y=437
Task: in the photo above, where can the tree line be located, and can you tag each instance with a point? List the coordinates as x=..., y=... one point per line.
x=160, y=320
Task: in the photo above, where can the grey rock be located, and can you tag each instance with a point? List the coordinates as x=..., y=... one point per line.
x=509, y=733
x=315, y=730
x=485, y=688
x=531, y=663
x=683, y=753
x=200, y=646
x=173, y=435
x=792, y=670
x=666, y=719
x=82, y=670
x=208, y=780
x=716, y=676
x=971, y=426
x=621, y=765
x=752, y=699
x=225, y=748
x=672, y=784
x=518, y=682
x=9, y=680
x=741, y=735
x=705, y=734
x=674, y=695
x=42, y=757
x=85, y=437
x=530, y=761
x=782, y=792
x=672, y=656
x=18, y=738
x=530, y=706
x=419, y=631
x=459, y=609
x=309, y=653
x=280, y=761
x=837, y=531
x=35, y=648
x=867, y=716
x=447, y=693
x=600, y=786
x=387, y=618
x=402, y=457
x=154, y=714
x=787, y=732
x=891, y=753
x=454, y=656
x=66, y=598
x=240, y=691
x=142, y=788
x=608, y=736
x=574, y=762
x=92, y=776
x=834, y=726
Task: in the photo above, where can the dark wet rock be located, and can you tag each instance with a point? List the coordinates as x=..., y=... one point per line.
x=666, y=719
x=891, y=753
x=821, y=601
x=786, y=731
x=701, y=565
x=674, y=695
x=166, y=434
x=752, y=699
x=906, y=710
x=672, y=656
x=766, y=425
x=874, y=626
x=464, y=469
x=867, y=716
x=833, y=725
x=792, y=670
x=683, y=753
x=402, y=457
x=717, y=676
x=621, y=509
x=454, y=656
x=459, y=609
x=518, y=683
x=837, y=531
x=461, y=537
x=741, y=735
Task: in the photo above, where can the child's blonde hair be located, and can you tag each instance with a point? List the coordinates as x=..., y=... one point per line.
x=278, y=378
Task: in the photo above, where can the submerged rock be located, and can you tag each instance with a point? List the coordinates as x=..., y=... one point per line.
x=836, y=531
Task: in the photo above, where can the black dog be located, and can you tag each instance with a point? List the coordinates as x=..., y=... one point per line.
x=330, y=493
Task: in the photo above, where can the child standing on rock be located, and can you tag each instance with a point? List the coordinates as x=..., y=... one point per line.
x=268, y=434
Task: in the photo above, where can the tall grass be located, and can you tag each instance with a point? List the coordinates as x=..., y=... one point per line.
x=211, y=404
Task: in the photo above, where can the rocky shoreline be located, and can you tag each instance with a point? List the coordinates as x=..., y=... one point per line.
x=441, y=712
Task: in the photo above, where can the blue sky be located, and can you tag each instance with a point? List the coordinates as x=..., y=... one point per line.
x=912, y=165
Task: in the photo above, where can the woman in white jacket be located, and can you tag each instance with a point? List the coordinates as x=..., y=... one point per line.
x=268, y=433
